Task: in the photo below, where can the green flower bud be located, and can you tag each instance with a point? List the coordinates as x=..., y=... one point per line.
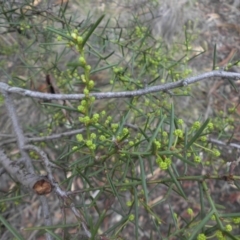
x=131, y=217
x=91, y=84
x=190, y=211
x=93, y=135
x=163, y=166
x=197, y=159
x=82, y=61
x=228, y=228
x=79, y=137
x=102, y=138
x=86, y=91
x=201, y=236
x=74, y=35
x=79, y=39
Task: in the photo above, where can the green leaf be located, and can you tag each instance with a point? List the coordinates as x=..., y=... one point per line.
x=52, y=227
x=10, y=228
x=178, y=185
x=53, y=234
x=200, y=225
x=92, y=30
x=59, y=32
x=197, y=134
x=172, y=127
x=143, y=178
x=214, y=57
x=154, y=135
x=13, y=198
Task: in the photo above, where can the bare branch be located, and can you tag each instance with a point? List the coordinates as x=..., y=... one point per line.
x=17, y=129
x=17, y=172
x=46, y=215
x=48, y=166
x=153, y=89
x=45, y=138
x=55, y=136
x=79, y=216
x=220, y=143
x=44, y=157
x=13, y=116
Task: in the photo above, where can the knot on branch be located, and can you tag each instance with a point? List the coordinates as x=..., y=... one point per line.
x=42, y=186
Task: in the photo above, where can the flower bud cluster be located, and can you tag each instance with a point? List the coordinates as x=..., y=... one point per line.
x=163, y=164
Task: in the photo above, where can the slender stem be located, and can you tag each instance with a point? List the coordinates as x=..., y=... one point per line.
x=126, y=94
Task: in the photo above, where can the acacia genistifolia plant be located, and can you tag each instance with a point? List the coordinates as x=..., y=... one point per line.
x=93, y=142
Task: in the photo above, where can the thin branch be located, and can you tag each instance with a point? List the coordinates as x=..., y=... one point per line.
x=79, y=216
x=6, y=135
x=13, y=116
x=17, y=129
x=48, y=166
x=57, y=189
x=220, y=143
x=17, y=172
x=46, y=215
x=2, y=171
x=44, y=157
x=55, y=136
x=8, y=141
x=125, y=94
x=45, y=138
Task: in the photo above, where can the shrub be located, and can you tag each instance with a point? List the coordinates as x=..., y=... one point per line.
x=101, y=133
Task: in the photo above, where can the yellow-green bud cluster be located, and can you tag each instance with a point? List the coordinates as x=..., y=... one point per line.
x=197, y=159
x=180, y=121
x=102, y=138
x=129, y=203
x=164, y=134
x=140, y=31
x=131, y=217
x=236, y=220
x=213, y=217
x=216, y=152
x=232, y=110
x=89, y=143
x=210, y=126
x=87, y=120
x=163, y=164
x=178, y=133
x=117, y=70
x=108, y=120
x=219, y=235
x=124, y=132
x=157, y=144
x=190, y=211
x=82, y=61
x=196, y=125
x=203, y=139
x=201, y=236
x=131, y=143
x=114, y=126
x=24, y=26
x=228, y=228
